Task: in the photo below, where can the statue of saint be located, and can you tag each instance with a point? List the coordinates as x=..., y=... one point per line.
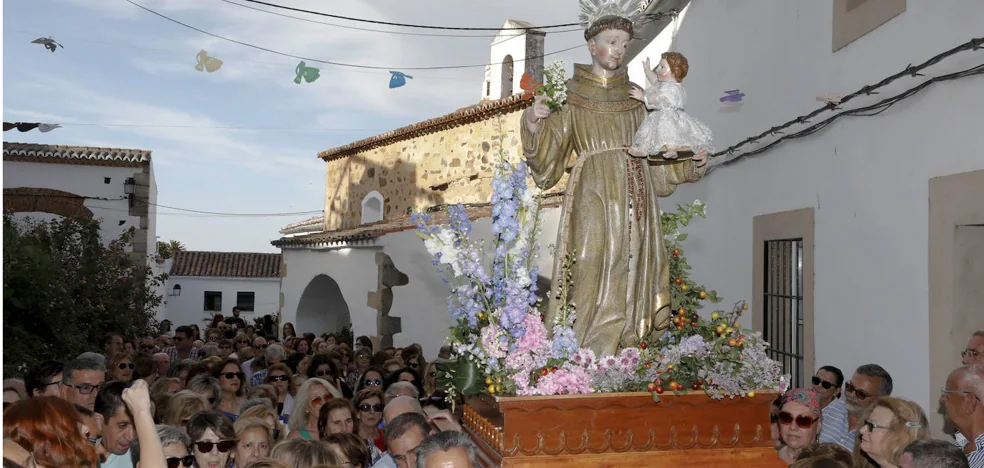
x=611, y=217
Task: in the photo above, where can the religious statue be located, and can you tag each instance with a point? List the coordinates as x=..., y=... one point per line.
x=611, y=218
x=668, y=129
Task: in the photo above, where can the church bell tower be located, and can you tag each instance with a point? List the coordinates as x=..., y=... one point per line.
x=514, y=52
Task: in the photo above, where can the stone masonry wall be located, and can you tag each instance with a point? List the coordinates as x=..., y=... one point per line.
x=450, y=166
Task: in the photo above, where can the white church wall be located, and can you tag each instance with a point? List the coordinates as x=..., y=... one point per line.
x=420, y=304
x=865, y=177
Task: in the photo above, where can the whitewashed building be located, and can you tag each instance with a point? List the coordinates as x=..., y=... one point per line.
x=864, y=241
x=203, y=284
x=115, y=186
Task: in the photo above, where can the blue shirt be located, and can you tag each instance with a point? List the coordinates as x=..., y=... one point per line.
x=835, y=424
x=975, y=458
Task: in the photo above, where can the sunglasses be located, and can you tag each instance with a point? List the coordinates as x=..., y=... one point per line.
x=279, y=378
x=175, y=462
x=823, y=383
x=860, y=394
x=147, y=347
x=178, y=339
x=318, y=401
x=260, y=346
x=322, y=373
x=363, y=356
x=365, y=408
x=414, y=365
x=372, y=383
x=233, y=375
x=223, y=446
x=125, y=365
x=803, y=421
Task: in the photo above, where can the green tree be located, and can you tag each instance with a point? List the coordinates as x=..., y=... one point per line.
x=167, y=249
x=64, y=289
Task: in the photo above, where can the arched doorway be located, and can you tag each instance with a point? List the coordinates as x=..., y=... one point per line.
x=507, y=77
x=322, y=308
x=372, y=207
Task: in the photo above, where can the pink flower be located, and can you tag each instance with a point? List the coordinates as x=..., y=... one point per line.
x=535, y=339
x=566, y=380
x=494, y=348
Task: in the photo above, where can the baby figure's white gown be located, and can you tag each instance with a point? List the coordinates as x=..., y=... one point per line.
x=668, y=125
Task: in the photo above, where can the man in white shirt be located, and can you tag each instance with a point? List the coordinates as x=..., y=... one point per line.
x=118, y=431
x=963, y=399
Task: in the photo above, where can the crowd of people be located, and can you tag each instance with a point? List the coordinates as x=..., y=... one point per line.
x=232, y=397
x=858, y=423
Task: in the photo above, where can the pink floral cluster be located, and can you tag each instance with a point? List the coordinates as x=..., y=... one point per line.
x=533, y=352
x=569, y=379
x=494, y=346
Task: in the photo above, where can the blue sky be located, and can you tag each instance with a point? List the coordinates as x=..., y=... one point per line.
x=123, y=65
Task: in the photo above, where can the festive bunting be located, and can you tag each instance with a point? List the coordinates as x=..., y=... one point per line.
x=398, y=79
x=48, y=42
x=28, y=126
x=207, y=63
x=732, y=96
x=309, y=74
x=527, y=84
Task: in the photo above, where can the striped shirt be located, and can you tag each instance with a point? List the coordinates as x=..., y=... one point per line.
x=172, y=354
x=975, y=458
x=835, y=423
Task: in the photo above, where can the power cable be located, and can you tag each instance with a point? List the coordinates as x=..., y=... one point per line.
x=402, y=33
x=406, y=25
x=867, y=111
x=913, y=71
x=340, y=64
x=186, y=210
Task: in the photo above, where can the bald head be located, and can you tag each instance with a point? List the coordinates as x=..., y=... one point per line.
x=969, y=378
x=401, y=405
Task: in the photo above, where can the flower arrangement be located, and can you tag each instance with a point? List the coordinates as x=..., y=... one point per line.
x=554, y=85
x=501, y=341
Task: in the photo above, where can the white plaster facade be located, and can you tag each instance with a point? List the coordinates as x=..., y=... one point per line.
x=421, y=304
x=865, y=178
x=509, y=51
x=189, y=307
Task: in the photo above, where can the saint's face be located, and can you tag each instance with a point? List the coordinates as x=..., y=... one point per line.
x=609, y=47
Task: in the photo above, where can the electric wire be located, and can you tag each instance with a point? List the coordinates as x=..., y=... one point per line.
x=341, y=64
x=406, y=25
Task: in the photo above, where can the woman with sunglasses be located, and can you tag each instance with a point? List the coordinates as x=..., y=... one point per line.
x=827, y=383
x=325, y=366
x=303, y=422
x=120, y=368
x=232, y=385
x=371, y=378
x=369, y=411
x=891, y=425
x=799, y=422
x=213, y=439
x=255, y=440
x=282, y=379
x=177, y=448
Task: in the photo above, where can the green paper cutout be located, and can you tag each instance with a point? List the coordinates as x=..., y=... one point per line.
x=309, y=74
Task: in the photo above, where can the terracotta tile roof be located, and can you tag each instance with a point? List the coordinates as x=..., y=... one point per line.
x=368, y=232
x=226, y=264
x=85, y=155
x=457, y=118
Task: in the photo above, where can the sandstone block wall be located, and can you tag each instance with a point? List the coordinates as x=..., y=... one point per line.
x=450, y=166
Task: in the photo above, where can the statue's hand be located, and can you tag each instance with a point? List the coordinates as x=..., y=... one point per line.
x=637, y=93
x=700, y=158
x=536, y=113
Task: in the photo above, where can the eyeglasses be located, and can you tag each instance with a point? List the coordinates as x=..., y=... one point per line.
x=93, y=441
x=83, y=389
x=125, y=365
x=260, y=346
x=972, y=353
x=245, y=342
x=223, y=446
x=363, y=356
x=372, y=383
x=321, y=373
x=414, y=365
x=279, y=378
x=365, y=408
x=785, y=418
x=872, y=426
x=860, y=394
x=318, y=401
x=175, y=462
x=233, y=375
x=823, y=383
x=959, y=392
x=147, y=347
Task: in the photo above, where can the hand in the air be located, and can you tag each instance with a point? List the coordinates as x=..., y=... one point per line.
x=137, y=397
x=645, y=64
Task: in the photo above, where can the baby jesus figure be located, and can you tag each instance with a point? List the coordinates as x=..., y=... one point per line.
x=667, y=130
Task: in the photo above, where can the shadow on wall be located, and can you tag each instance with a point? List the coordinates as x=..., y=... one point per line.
x=322, y=308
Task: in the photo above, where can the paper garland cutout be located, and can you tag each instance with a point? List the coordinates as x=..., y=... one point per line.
x=28, y=126
x=398, y=79
x=527, y=84
x=306, y=73
x=207, y=63
x=48, y=42
x=732, y=96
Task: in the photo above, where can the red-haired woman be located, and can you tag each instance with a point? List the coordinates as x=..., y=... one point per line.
x=49, y=429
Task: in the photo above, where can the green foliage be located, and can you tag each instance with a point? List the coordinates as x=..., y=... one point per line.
x=686, y=294
x=63, y=290
x=167, y=249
